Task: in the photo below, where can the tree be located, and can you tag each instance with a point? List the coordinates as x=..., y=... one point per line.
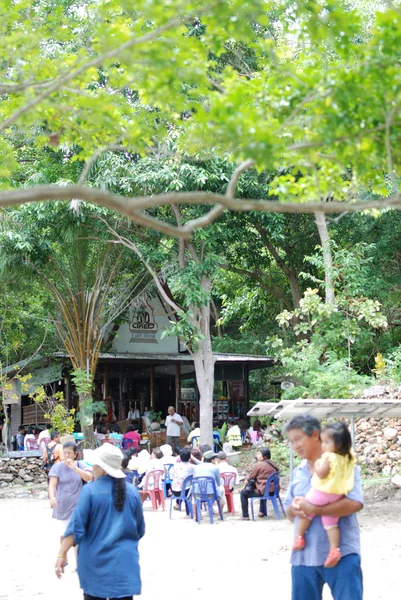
x=91, y=283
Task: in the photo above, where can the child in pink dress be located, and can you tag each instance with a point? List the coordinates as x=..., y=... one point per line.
x=333, y=479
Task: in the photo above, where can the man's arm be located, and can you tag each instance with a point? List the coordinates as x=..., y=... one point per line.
x=342, y=508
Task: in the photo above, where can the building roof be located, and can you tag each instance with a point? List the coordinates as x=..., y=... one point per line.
x=253, y=360
x=359, y=407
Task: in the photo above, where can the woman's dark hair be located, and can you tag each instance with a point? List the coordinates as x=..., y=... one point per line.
x=116, y=429
x=265, y=452
x=104, y=430
x=185, y=455
x=196, y=453
x=119, y=493
x=30, y=430
x=256, y=425
x=99, y=429
x=196, y=425
x=125, y=461
x=341, y=437
x=54, y=434
x=70, y=445
x=130, y=428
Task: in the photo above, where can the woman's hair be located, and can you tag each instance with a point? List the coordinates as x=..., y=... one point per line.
x=196, y=425
x=119, y=493
x=130, y=428
x=126, y=459
x=116, y=429
x=196, y=453
x=30, y=430
x=265, y=452
x=70, y=445
x=256, y=424
x=54, y=434
x=341, y=437
x=99, y=429
x=104, y=430
x=185, y=455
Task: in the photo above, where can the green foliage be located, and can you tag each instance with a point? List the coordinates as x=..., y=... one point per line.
x=61, y=418
x=155, y=416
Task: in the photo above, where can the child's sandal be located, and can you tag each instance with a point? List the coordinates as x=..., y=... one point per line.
x=333, y=558
x=299, y=543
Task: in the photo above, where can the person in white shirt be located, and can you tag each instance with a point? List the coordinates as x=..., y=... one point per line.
x=44, y=434
x=195, y=433
x=133, y=415
x=173, y=424
x=225, y=467
x=29, y=436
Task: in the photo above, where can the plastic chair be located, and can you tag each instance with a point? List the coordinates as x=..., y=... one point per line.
x=229, y=481
x=273, y=479
x=195, y=441
x=127, y=443
x=167, y=477
x=31, y=445
x=201, y=494
x=184, y=498
x=43, y=443
x=156, y=493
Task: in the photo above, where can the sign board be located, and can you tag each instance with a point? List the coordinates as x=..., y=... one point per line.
x=143, y=326
x=25, y=454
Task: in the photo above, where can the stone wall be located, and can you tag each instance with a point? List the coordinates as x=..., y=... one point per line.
x=378, y=445
x=21, y=472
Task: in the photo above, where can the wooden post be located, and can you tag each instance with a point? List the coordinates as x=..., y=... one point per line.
x=177, y=387
x=105, y=381
x=152, y=388
x=245, y=369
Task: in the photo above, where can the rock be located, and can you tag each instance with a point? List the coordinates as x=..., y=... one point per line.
x=43, y=496
x=363, y=426
x=394, y=455
x=21, y=473
x=390, y=433
x=386, y=470
x=26, y=494
x=6, y=477
x=28, y=478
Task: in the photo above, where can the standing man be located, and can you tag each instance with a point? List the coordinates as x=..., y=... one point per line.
x=173, y=424
x=308, y=573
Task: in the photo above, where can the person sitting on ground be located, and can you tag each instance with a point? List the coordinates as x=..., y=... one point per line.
x=20, y=437
x=53, y=452
x=225, y=467
x=259, y=474
x=233, y=435
x=182, y=470
x=209, y=468
x=30, y=435
x=117, y=436
x=195, y=433
x=133, y=435
x=333, y=479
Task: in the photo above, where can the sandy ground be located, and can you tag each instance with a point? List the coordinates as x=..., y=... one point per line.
x=186, y=561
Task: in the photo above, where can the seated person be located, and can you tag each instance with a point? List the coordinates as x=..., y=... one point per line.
x=233, y=436
x=182, y=470
x=30, y=435
x=225, y=467
x=117, y=435
x=260, y=474
x=209, y=468
x=194, y=433
x=100, y=433
x=153, y=464
x=133, y=435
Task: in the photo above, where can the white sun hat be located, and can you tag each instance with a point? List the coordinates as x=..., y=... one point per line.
x=167, y=450
x=109, y=458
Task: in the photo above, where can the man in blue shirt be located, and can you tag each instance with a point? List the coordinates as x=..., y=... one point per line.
x=308, y=573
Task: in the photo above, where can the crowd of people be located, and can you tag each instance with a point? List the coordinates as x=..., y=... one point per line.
x=323, y=498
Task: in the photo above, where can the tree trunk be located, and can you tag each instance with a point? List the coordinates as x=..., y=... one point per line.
x=204, y=371
x=294, y=284
x=86, y=420
x=327, y=256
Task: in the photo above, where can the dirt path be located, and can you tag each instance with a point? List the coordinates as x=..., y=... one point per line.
x=209, y=561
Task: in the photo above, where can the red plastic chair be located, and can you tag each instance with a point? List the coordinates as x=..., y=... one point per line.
x=229, y=481
x=32, y=445
x=43, y=443
x=156, y=493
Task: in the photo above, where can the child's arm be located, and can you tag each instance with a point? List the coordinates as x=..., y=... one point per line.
x=322, y=468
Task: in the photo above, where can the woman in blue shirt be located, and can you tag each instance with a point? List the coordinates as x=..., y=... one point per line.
x=107, y=524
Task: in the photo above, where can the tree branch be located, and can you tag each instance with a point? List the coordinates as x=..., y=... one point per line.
x=93, y=159
x=132, y=207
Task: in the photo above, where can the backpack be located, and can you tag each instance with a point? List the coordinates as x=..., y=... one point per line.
x=50, y=459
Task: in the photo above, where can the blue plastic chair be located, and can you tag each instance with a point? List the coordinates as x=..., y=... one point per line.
x=195, y=441
x=167, y=477
x=274, y=499
x=129, y=444
x=201, y=487
x=183, y=498
x=216, y=440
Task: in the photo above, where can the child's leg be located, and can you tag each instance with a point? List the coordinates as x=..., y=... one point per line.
x=333, y=533
x=303, y=525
